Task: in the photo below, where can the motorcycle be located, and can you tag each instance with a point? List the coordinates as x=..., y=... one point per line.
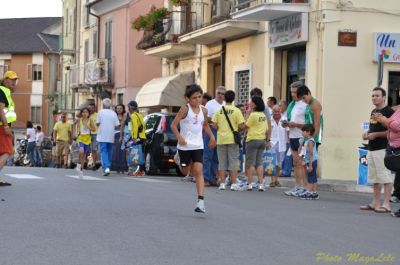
x=21, y=155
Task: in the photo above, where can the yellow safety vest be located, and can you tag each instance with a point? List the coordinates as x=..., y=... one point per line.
x=9, y=111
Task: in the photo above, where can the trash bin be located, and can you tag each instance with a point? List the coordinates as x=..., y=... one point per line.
x=362, y=166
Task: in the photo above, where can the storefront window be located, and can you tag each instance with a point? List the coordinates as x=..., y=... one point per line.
x=394, y=87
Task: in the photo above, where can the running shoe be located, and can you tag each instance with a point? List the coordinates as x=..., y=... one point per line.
x=314, y=196
x=187, y=178
x=200, y=208
x=222, y=186
x=291, y=192
x=106, y=172
x=261, y=187
x=300, y=192
x=236, y=187
x=305, y=196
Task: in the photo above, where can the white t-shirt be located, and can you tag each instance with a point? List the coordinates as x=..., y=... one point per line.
x=107, y=119
x=39, y=138
x=31, y=135
x=298, y=116
x=212, y=106
x=279, y=135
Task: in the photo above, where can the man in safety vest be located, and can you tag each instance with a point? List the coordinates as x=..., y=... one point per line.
x=7, y=116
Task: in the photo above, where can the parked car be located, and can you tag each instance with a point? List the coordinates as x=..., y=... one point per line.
x=160, y=146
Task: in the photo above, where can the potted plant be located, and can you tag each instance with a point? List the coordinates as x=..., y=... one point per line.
x=180, y=2
x=149, y=22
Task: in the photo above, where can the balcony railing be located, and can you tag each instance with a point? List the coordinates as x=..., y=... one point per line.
x=242, y=4
x=95, y=72
x=185, y=19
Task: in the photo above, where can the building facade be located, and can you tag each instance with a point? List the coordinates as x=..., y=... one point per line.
x=330, y=45
x=30, y=47
x=100, y=58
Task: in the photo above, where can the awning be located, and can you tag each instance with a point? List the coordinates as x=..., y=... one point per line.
x=165, y=91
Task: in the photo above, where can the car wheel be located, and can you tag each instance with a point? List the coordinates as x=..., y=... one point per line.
x=150, y=166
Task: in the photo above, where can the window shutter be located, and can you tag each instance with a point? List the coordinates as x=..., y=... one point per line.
x=29, y=72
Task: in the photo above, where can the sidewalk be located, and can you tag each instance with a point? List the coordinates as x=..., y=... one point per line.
x=328, y=185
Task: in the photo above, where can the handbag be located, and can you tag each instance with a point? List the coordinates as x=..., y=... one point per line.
x=392, y=158
x=236, y=135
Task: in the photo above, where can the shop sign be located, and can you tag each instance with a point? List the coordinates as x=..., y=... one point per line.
x=347, y=38
x=288, y=30
x=387, y=45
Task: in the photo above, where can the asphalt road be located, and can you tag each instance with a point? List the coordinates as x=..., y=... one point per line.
x=50, y=217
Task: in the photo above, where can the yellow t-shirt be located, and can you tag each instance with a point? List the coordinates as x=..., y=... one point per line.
x=136, y=121
x=224, y=134
x=84, y=138
x=62, y=130
x=93, y=117
x=258, y=125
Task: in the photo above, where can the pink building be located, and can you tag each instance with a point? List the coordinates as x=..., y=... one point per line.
x=130, y=69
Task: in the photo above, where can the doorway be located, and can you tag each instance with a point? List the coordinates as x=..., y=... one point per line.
x=393, y=89
x=296, y=68
x=214, y=73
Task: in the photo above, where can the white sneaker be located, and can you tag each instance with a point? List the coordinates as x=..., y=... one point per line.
x=261, y=187
x=81, y=174
x=236, y=187
x=200, y=208
x=222, y=186
x=254, y=185
x=106, y=172
x=248, y=187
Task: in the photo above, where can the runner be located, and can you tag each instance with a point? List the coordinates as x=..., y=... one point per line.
x=192, y=120
x=83, y=127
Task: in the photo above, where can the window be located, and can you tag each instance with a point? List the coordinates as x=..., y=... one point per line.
x=34, y=72
x=242, y=79
x=108, y=39
x=120, y=98
x=94, y=44
x=36, y=114
x=3, y=69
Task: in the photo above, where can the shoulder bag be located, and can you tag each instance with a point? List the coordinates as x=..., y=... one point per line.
x=392, y=159
x=236, y=135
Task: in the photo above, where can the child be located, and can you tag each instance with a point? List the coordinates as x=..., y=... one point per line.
x=310, y=162
x=83, y=127
x=192, y=121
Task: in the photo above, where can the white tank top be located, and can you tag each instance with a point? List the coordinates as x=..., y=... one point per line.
x=191, y=129
x=84, y=129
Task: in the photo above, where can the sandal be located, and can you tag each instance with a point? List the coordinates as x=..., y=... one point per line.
x=382, y=209
x=277, y=184
x=367, y=207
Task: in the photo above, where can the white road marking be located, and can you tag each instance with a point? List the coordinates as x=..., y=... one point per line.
x=84, y=177
x=149, y=180
x=24, y=176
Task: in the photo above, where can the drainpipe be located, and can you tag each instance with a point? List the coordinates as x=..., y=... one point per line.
x=223, y=61
x=52, y=78
x=89, y=7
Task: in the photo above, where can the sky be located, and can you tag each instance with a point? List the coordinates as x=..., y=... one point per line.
x=31, y=8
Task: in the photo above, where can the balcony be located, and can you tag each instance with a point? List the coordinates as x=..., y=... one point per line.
x=267, y=10
x=165, y=44
x=215, y=24
x=94, y=73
